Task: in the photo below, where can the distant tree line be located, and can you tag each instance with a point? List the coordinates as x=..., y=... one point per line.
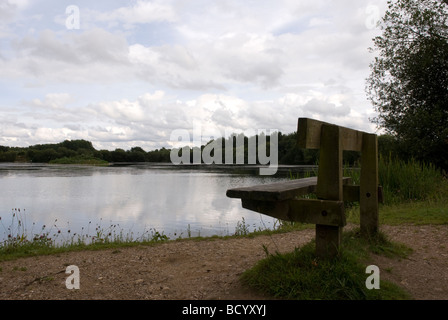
x=288, y=151
x=79, y=149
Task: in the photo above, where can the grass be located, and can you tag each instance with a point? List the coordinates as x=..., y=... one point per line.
x=24, y=240
x=300, y=275
x=414, y=193
x=404, y=181
x=409, y=212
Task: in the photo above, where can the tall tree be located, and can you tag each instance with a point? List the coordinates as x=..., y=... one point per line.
x=408, y=83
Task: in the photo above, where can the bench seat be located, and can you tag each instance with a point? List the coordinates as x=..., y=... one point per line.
x=278, y=191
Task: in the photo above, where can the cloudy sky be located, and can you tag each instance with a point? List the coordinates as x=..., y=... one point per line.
x=127, y=73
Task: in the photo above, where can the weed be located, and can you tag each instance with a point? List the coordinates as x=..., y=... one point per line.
x=410, y=181
x=16, y=268
x=158, y=237
x=300, y=275
x=19, y=241
x=241, y=229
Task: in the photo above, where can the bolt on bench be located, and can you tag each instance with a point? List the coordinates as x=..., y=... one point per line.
x=280, y=200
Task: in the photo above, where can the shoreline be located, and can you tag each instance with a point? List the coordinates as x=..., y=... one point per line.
x=206, y=270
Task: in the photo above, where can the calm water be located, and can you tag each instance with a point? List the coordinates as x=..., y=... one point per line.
x=135, y=198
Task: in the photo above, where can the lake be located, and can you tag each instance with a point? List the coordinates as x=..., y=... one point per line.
x=178, y=201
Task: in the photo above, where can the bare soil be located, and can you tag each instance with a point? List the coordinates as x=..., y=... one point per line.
x=209, y=269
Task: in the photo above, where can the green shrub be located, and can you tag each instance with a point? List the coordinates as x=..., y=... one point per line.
x=300, y=275
x=410, y=180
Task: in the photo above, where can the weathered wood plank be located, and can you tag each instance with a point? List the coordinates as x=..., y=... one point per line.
x=368, y=202
x=323, y=212
x=309, y=135
x=275, y=209
x=278, y=191
x=352, y=193
x=328, y=241
x=329, y=187
x=330, y=164
x=275, y=191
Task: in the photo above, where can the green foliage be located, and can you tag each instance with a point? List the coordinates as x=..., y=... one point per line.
x=410, y=180
x=404, y=180
x=408, y=82
x=415, y=212
x=18, y=238
x=242, y=229
x=80, y=152
x=388, y=146
x=8, y=156
x=23, y=238
x=77, y=150
x=76, y=145
x=80, y=160
x=300, y=275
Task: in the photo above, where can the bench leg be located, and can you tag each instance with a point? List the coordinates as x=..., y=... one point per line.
x=368, y=201
x=329, y=187
x=328, y=241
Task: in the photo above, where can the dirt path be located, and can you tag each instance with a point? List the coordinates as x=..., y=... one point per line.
x=208, y=269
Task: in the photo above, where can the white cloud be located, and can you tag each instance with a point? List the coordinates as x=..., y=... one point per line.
x=53, y=101
x=149, y=120
x=94, y=56
x=140, y=12
x=8, y=8
x=321, y=108
x=230, y=65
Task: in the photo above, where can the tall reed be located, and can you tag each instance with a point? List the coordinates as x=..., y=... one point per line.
x=410, y=180
x=405, y=180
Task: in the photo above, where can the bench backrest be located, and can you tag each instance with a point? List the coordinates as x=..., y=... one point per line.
x=332, y=140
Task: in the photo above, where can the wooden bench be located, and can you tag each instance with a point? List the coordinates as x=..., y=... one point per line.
x=280, y=200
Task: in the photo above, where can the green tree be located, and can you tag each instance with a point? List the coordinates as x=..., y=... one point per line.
x=105, y=155
x=44, y=156
x=77, y=144
x=408, y=84
x=119, y=155
x=8, y=156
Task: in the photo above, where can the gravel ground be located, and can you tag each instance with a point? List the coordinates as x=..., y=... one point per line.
x=210, y=269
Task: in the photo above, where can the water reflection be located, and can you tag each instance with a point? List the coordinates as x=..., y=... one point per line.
x=136, y=198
